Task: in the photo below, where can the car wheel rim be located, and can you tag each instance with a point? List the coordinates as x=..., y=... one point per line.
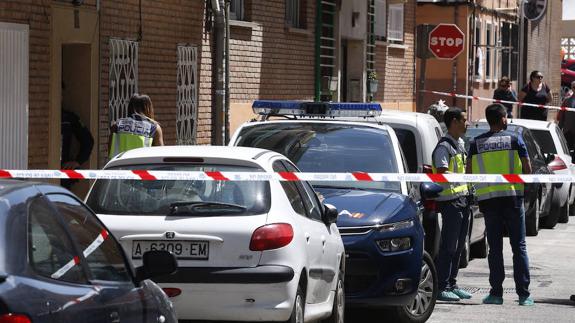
x=340, y=299
x=424, y=296
x=298, y=309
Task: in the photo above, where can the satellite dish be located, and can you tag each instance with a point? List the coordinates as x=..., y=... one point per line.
x=534, y=9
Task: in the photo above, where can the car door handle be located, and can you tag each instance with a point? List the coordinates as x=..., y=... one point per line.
x=307, y=237
x=114, y=317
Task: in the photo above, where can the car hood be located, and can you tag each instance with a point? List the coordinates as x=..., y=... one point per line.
x=365, y=207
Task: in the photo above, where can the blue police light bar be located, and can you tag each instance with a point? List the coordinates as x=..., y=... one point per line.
x=315, y=109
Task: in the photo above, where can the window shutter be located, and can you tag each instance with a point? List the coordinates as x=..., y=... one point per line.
x=14, y=78
x=395, y=31
x=380, y=18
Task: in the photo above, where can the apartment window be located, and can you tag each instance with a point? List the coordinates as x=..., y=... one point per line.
x=479, y=52
x=496, y=53
x=381, y=19
x=237, y=10
x=395, y=31
x=123, y=76
x=296, y=13
x=488, y=51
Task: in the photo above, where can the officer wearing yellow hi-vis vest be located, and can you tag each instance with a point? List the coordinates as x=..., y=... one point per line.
x=138, y=130
x=449, y=157
x=501, y=152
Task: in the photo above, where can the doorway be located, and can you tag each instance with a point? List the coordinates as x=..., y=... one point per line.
x=353, y=67
x=76, y=89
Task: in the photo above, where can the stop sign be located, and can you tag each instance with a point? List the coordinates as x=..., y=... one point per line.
x=446, y=41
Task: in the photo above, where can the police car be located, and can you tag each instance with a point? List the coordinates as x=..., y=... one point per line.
x=379, y=221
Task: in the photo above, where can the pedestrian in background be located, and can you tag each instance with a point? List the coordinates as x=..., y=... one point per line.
x=449, y=157
x=566, y=119
x=501, y=152
x=71, y=128
x=137, y=130
x=535, y=92
x=504, y=92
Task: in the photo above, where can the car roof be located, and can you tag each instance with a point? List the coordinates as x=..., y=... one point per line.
x=216, y=152
x=352, y=121
x=8, y=186
x=511, y=126
x=532, y=124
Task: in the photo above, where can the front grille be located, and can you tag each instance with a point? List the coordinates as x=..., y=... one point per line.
x=349, y=231
x=360, y=273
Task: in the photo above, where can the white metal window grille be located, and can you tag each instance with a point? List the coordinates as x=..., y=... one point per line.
x=237, y=10
x=187, y=104
x=123, y=76
x=293, y=13
x=14, y=46
x=568, y=47
x=381, y=18
x=395, y=26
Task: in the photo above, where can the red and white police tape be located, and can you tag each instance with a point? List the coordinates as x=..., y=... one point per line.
x=148, y=175
x=477, y=98
x=76, y=260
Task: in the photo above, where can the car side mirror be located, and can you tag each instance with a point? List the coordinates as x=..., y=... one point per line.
x=330, y=214
x=156, y=263
x=430, y=190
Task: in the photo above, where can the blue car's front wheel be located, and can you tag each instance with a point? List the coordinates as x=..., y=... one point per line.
x=420, y=309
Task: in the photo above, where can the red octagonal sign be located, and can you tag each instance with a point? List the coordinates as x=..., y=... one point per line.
x=446, y=41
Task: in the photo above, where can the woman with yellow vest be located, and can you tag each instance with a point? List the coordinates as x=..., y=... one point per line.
x=449, y=157
x=500, y=152
x=138, y=130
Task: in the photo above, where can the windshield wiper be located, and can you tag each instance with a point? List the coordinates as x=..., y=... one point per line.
x=195, y=207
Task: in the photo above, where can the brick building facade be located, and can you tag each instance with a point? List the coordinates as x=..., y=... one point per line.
x=492, y=50
x=90, y=56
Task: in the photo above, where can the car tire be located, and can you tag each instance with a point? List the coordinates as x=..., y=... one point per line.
x=338, y=309
x=297, y=314
x=480, y=249
x=420, y=309
x=572, y=209
x=564, y=213
x=532, y=219
x=465, y=254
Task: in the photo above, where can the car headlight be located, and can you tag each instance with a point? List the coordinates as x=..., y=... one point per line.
x=395, y=244
x=396, y=226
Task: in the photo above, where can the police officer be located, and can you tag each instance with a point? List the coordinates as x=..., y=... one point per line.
x=138, y=130
x=500, y=152
x=449, y=157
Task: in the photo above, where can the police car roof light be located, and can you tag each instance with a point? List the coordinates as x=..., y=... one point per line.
x=322, y=109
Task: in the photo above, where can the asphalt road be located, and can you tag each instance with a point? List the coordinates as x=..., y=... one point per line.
x=552, y=263
x=551, y=255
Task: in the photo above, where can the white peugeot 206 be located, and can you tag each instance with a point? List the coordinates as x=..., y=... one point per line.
x=247, y=250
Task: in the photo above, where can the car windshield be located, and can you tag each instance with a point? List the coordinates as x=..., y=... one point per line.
x=125, y=197
x=328, y=148
x=545, y=141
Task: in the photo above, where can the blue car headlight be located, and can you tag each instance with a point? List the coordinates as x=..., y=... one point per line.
x=395, y=244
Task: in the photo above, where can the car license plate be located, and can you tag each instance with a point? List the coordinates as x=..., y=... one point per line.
x=191, y=250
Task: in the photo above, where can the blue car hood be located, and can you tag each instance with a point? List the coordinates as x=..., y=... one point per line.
x=364, y=207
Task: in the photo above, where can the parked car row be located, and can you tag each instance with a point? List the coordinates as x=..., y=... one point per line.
x=287, y=251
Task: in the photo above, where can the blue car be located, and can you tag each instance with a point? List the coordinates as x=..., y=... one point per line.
x=58, y=263
x=380, y=222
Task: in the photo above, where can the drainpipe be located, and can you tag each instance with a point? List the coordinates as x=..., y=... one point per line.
x=454, y=65
x=227, y=77
x=218, y=94
x=318, y=25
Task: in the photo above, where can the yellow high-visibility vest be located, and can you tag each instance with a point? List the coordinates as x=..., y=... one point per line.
x=456, y=166
x=132, y=132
